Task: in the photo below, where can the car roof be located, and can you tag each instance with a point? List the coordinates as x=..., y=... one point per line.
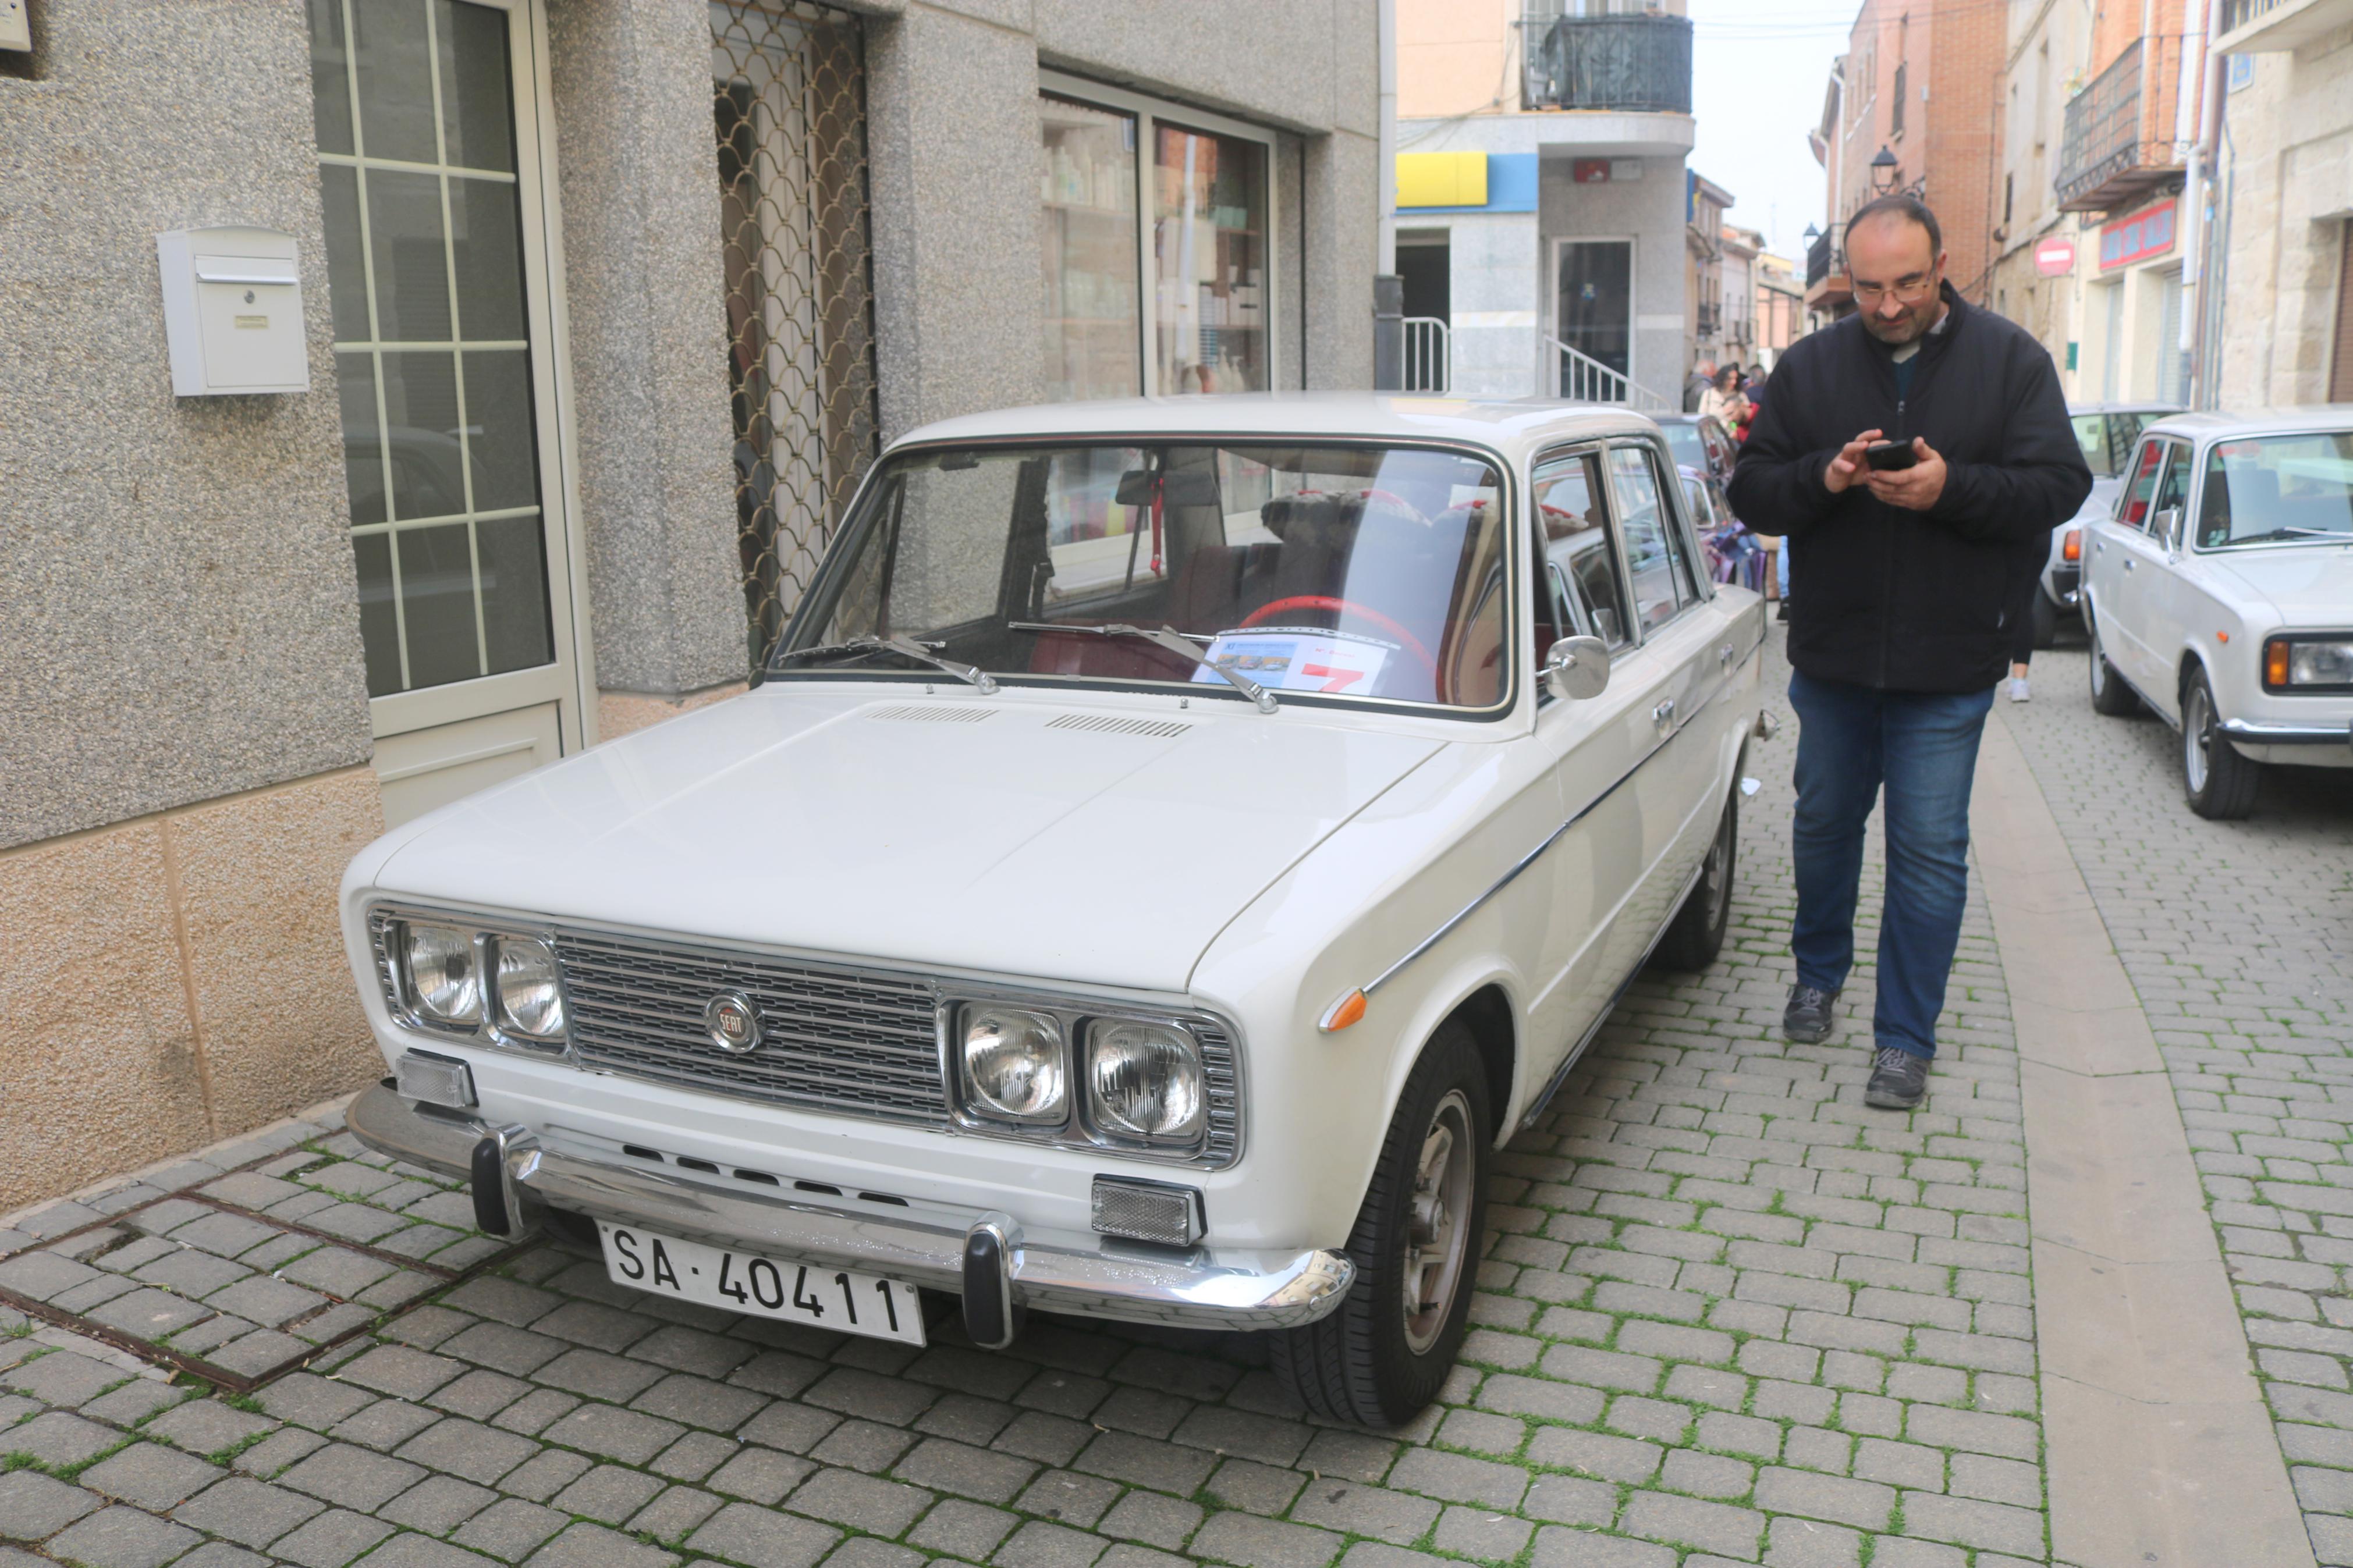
x=2080, y=408
x=1515, y=428
x=2206, y=427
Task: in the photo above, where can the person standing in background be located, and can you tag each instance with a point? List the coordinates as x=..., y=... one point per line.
x=1721, y=399
x=1911, y=454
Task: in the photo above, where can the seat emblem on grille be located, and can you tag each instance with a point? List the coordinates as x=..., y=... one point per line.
x=733, y=1022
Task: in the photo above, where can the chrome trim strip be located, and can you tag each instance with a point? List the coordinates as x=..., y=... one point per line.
x=1201, y=1288
x=2260, y=734
x=1505, y=881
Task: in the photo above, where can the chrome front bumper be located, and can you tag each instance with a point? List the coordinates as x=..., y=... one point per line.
x=1088, y=1276
x=2256, y=734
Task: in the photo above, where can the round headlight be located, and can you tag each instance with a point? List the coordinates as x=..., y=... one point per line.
x=443, y=978
x=1144, y=1081
x=530, y=1000
x=1013, y=1063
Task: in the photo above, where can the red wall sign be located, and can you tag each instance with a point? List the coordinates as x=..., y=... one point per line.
x=1590, y=171
x=2055, y=257
x=2137, y=237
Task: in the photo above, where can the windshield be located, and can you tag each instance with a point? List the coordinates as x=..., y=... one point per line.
x=1683, y=441
x=2278, y=489
x=2107, y=440
x=1355, y=571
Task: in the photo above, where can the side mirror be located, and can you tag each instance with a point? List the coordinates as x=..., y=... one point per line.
x=2166, y=528
x=1576, y=667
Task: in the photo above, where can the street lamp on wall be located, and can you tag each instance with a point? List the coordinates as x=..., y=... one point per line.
x=1883, y=170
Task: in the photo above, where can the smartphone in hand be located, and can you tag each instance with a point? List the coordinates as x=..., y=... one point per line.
x=1890, y=457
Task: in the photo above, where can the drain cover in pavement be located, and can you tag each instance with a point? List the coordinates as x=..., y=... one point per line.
x=242, y=1274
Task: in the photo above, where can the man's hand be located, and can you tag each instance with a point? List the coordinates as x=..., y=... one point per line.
x=1915, y=489
x=1848, y=463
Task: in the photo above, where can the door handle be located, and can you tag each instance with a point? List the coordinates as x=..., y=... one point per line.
x=1724, y=654
x=2128, y=565
x=1665, y=714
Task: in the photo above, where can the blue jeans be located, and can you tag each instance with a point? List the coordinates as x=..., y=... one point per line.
x=1924, y=747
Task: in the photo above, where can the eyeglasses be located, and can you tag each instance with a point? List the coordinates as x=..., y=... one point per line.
x=1907, y=290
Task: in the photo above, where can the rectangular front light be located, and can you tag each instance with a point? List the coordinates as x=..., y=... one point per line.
x=1147, y=1211
x=436, y=1080
x=2293, y=662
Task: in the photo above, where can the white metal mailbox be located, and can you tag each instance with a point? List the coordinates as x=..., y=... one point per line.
x=233, y=312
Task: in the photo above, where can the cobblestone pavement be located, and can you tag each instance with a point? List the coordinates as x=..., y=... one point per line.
x=2238, y=937
x=1729, y=1316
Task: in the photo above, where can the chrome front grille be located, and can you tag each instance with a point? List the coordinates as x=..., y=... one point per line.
x=858, y=1042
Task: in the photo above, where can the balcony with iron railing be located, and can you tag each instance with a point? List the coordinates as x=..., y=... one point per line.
x=1626, y=65
x=1827, y=288
x=2118, y=141
x=2272, y=26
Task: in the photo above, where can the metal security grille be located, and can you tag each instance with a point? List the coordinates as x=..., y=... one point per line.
x=789, y=105
x=863, y=1043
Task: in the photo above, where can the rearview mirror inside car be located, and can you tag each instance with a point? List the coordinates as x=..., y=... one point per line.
x=1180, y=487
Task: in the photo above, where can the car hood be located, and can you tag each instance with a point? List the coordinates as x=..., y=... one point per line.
x=2308, y=585
x=1075, y=841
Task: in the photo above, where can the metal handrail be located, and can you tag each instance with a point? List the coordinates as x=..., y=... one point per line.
x=1578, y=377
x=1429, y=354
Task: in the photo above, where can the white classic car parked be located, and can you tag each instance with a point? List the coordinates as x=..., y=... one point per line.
x=1174, y=845
x=2220, y=593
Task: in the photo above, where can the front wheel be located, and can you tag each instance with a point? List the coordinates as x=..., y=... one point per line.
x=1696, y=936
x=2218, y=783
x=2110, y=695
x=1382, y=1354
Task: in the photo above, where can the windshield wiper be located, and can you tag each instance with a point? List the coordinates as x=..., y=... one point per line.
x=904, y=646
x=1167, y=638
x=2293, y=531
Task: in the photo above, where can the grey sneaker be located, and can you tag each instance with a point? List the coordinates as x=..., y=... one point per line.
x=1899, y=1079
x=1807, y=1018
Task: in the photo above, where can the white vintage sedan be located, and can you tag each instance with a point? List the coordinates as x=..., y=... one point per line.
x=2220, y=593
x=1174, y=845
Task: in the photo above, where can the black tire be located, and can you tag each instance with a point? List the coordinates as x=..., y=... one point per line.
x=2042, y=619
x=1696, y=934
x=2110, y=695
x=1361, y=1362
x=2219, y=784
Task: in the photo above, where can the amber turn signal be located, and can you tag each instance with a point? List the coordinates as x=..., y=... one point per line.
x=1343, y=1013
x=2275, y=663
x=2071, y=547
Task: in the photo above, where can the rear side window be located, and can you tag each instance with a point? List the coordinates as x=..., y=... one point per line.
x=2132, y=502
x=1661, y=566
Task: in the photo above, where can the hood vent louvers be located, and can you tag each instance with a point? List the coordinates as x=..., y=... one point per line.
x=932, y=713
x=1104, y=724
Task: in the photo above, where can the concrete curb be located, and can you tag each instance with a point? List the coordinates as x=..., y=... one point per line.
x=2159, y=1447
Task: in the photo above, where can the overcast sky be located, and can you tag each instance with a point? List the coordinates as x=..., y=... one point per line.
x=1758, y=70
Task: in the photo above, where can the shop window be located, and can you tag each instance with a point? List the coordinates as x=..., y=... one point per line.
x=1154, y=236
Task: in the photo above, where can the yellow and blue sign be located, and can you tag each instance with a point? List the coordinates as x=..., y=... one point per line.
x=1466, y=182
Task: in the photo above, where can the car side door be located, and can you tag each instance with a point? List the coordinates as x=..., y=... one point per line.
x=2111, y=576
x=2164, y=590
x=1595, y=745
x=1683, y=667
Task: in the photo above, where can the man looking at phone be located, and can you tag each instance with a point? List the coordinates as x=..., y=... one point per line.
x=1908, y=453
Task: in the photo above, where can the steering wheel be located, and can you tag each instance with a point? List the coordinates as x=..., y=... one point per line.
x=1331, y=606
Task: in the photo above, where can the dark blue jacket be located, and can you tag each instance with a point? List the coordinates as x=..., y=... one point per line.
x=1900, y=600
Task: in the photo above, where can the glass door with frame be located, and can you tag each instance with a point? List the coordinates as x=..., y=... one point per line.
x=427, y=151
x=1593, y=307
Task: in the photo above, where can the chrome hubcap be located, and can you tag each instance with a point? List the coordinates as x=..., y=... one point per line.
x=2194, y=739
x=1438, y=1234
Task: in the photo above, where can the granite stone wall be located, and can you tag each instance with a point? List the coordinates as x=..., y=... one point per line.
x=180, y=613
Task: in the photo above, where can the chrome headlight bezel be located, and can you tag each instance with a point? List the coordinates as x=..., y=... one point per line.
x=491, y=1022
x=1213, y=1138
x=2299, y=652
